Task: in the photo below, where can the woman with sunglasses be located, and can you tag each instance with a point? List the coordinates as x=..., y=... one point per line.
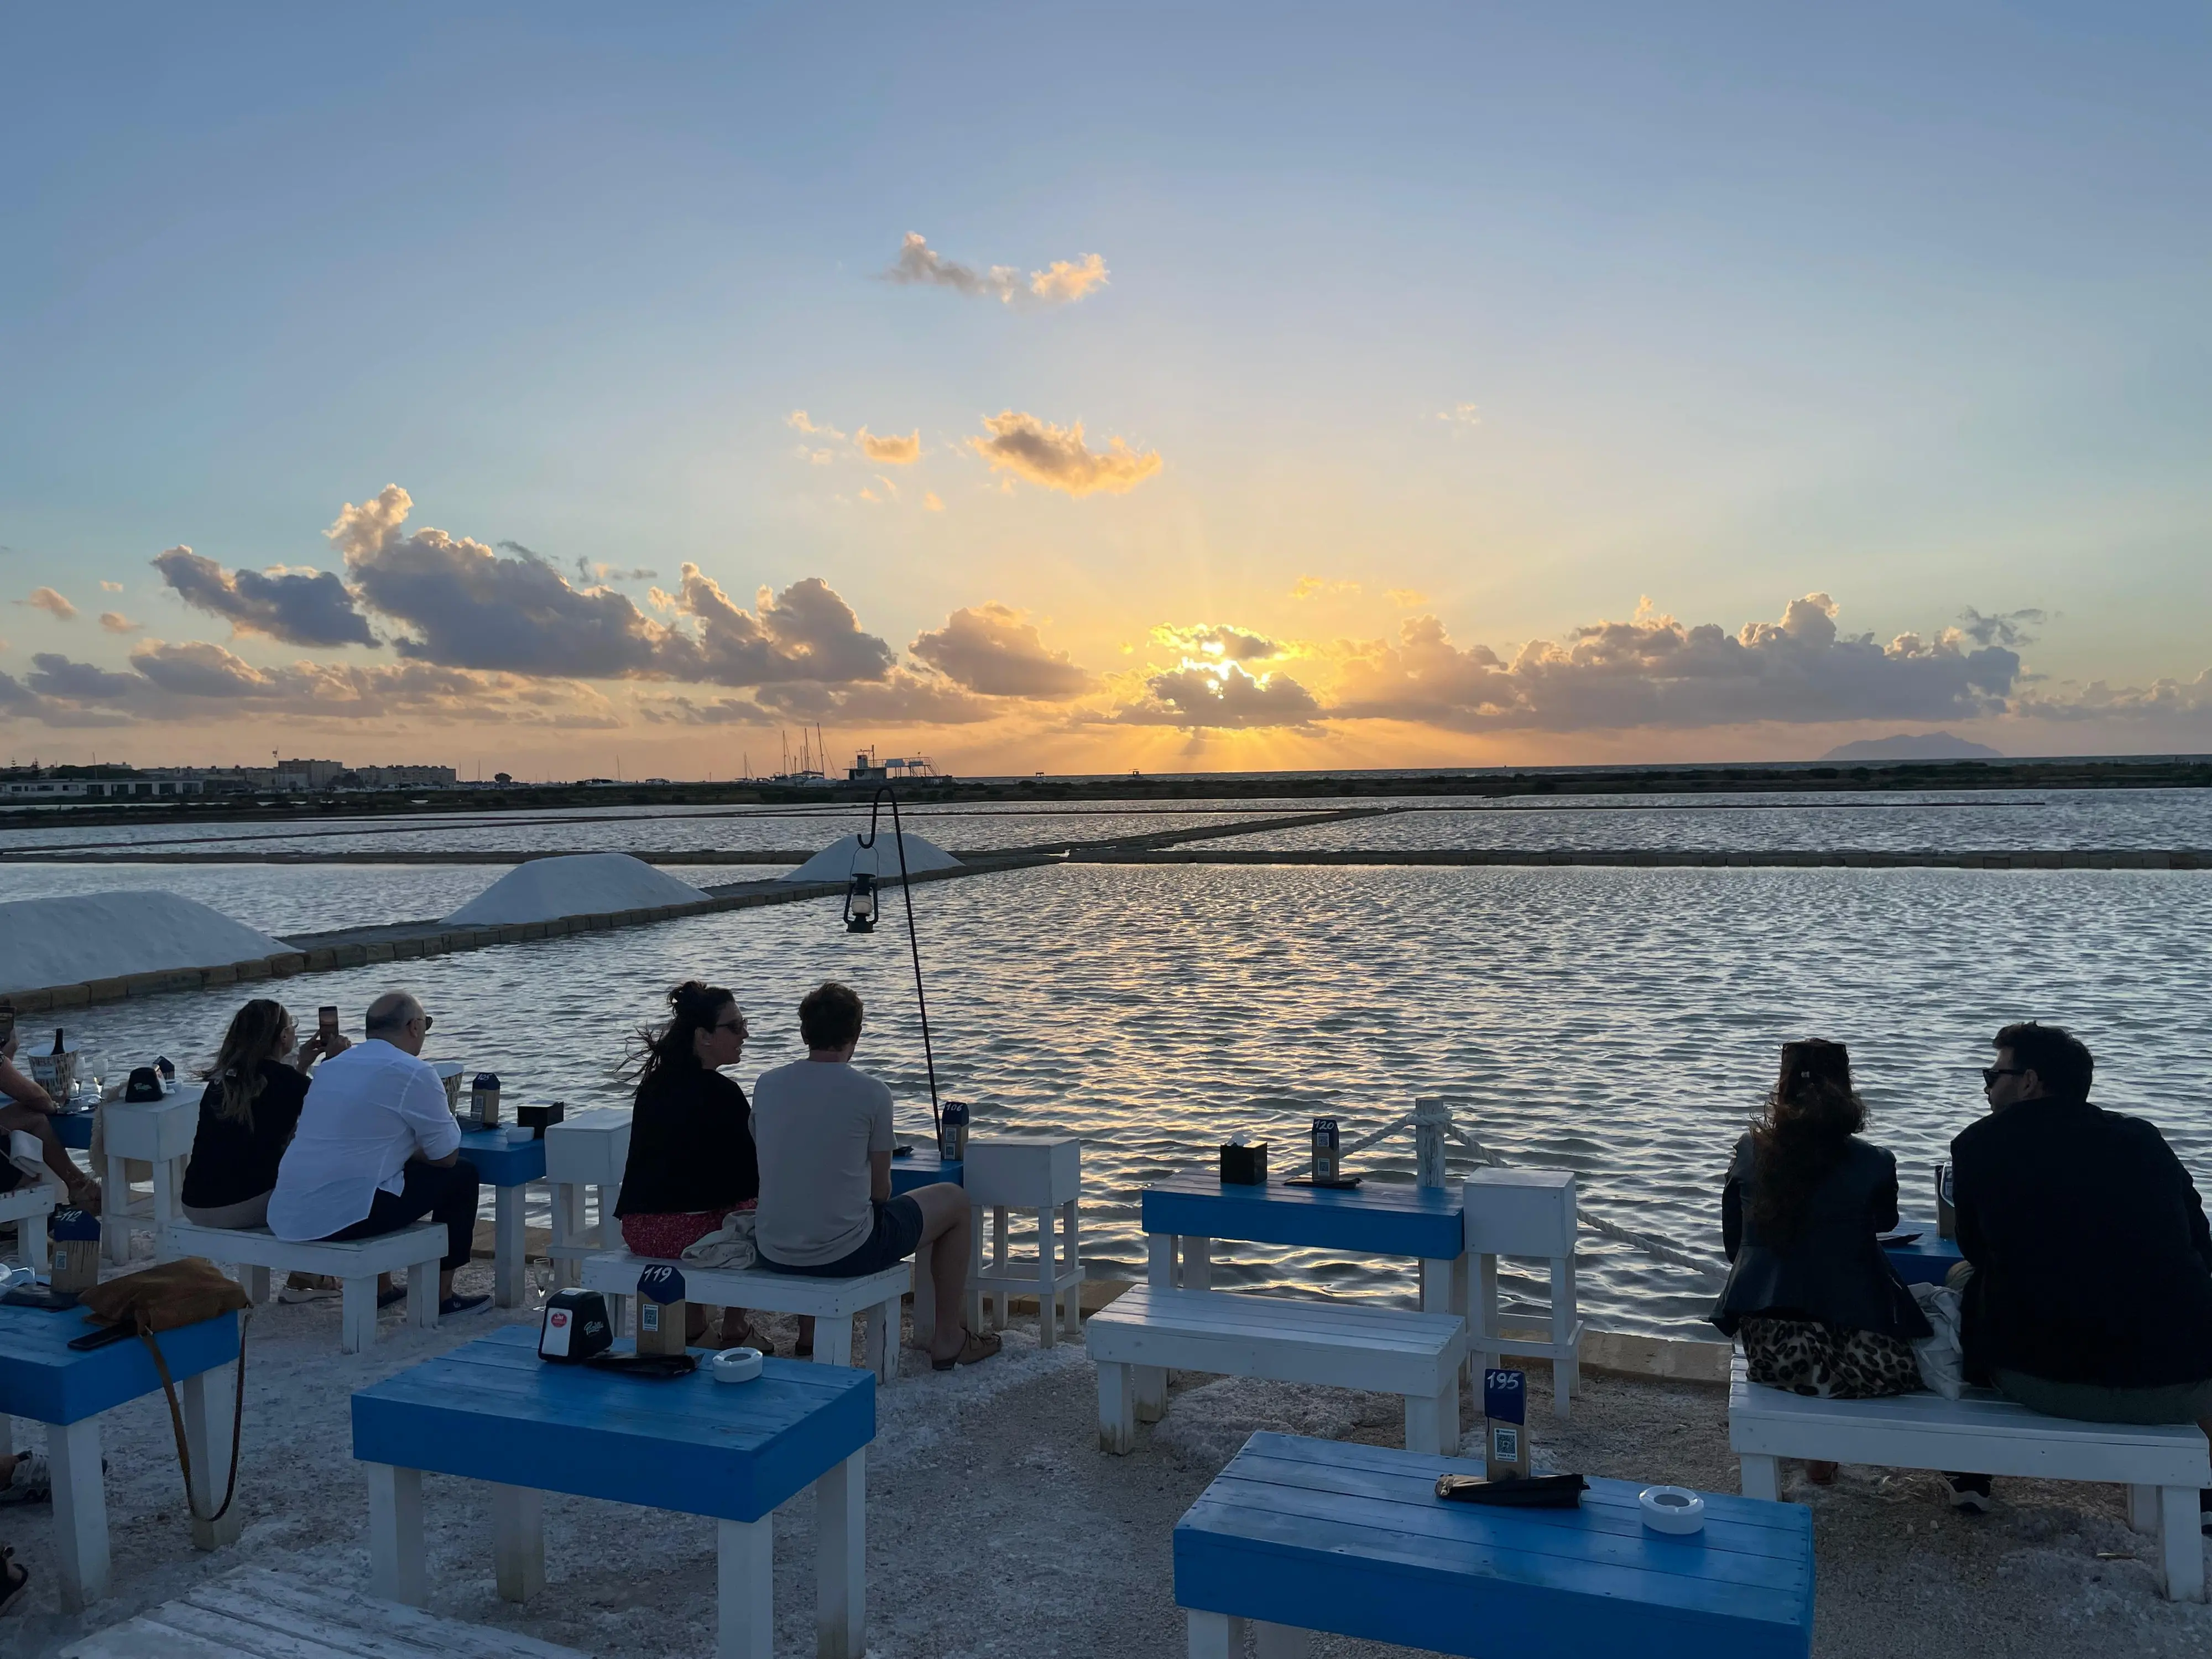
x=1811, y=1295
x=691, y=1160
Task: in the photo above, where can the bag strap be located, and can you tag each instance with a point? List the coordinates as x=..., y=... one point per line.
x=177, y=1416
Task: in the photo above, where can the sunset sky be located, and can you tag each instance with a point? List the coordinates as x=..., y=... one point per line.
x=1175, y=387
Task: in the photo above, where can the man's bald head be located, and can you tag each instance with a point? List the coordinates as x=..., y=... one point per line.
x=398, y=1019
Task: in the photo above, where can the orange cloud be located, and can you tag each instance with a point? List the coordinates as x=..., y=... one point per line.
x=1057, y=458
x=893, y=451
x=45, y=599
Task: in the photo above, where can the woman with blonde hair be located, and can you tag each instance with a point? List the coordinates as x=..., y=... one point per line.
x=1815, y=1302
x=248, y=1111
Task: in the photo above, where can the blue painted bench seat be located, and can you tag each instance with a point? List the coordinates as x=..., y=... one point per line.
x=1314, y=1535
x=1378, y=1220
x=493, y=1411
x=42, y=1378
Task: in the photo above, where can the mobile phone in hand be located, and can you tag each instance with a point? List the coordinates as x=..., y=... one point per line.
x=326, y=1021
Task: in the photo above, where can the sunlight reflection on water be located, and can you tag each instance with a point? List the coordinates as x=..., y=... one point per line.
x=1620, y=1023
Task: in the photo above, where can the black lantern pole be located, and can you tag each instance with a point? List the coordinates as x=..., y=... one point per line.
x=883, y=792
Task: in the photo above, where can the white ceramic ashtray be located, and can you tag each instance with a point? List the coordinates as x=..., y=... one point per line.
x=736, y=1364
x=519, y=1135
x=1672, y=1509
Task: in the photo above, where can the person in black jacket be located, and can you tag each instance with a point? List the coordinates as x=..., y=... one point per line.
x=2087, y=1280
x=692, y=1164
x=247, y=1114
x=1815, y=1302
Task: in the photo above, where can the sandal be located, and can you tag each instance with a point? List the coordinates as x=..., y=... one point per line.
x=974, y=1350
x=14, y=1576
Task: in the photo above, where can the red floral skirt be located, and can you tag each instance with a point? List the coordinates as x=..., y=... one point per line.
x=667, y=1236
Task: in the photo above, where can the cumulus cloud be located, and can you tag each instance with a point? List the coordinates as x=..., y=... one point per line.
x=300, y=607
x=1055, y=457
x=1219, y=641
x=996, y=650
x=1221, y=697
x=930, y=503
x=1653, y=672
x=472, y=608
x=45, y=599
x=893, y=451
x=1061, y=283
x=797, y=421
x=116, y=623
x=902, y=698
x=200, y=681
x=107, y=586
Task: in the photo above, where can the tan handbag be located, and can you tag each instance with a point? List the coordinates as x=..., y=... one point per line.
x=163, y=1299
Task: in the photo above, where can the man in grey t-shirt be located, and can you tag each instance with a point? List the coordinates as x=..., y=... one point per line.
x=824, y=1133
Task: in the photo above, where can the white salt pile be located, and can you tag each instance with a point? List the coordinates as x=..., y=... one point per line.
x=66, y=941
x=843, y=857
x=579, y=884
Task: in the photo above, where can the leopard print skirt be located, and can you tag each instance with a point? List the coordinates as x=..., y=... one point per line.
x=1827, y=1361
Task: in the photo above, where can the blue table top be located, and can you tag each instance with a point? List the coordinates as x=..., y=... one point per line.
x=1927, y=1259
x=42, y=1379
x=500, y=1163
x=923, y=1168
x=493, y=1411
x=1336, y=1536
x=1423, y=1221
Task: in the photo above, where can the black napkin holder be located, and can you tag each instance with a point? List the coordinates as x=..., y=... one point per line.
x=537, y=1117
x=1244, y=1166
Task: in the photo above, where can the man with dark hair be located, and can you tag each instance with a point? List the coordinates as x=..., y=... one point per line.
x=824, y=1133
x=2087, y=1281
x=378, y=1148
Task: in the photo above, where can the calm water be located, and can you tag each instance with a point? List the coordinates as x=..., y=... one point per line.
x=1621, y=1023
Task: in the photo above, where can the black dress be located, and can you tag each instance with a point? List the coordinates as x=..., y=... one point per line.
x=232, y=1162
x=690, y=1145
x=1833, y=1272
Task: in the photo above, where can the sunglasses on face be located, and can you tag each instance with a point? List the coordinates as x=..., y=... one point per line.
x=1992, y=1074
x=740, y=1028
x=423, y=1020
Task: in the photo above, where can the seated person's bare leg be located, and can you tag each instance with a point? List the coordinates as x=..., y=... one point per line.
x=806, y=1334
x=80, y=1186
x=739, y=1332
x=946, y=1230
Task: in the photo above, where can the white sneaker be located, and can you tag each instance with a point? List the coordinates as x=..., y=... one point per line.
x=32, y=1482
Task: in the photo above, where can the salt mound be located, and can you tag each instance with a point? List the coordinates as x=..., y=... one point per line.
x=65, y=941
x=579, y=884
x=841, y=857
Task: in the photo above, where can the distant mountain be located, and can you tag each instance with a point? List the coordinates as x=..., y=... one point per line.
x=1905, y=746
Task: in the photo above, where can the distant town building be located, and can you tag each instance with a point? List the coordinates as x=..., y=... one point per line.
x=407, y=777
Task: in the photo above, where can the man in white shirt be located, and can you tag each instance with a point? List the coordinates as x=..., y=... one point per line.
x=378, y=1149
x=824, y=1133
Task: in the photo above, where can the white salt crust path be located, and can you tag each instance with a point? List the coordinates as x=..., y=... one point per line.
x=842, y=857
x=64, y=941
x=580, y=885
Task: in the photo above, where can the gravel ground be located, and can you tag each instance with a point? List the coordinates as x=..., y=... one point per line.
x=995, y=1526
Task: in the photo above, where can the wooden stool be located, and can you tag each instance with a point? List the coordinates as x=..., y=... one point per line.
x=1525, y=1213
x=589, y=1150
x=154, y=1132
x=1039, y=1173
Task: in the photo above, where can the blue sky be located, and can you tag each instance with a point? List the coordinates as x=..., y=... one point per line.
x=1900, y=304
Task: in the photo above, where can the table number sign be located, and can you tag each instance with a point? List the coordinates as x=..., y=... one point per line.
x=1505, y=1404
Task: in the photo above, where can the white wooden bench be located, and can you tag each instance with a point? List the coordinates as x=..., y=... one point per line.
x=1984, y=1433
x=832, y=1302
x=255, y=1614
x=1335, y=1344
x=355, y=1263
x=28, y=1207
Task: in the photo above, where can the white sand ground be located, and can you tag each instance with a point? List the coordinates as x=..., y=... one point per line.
x=996, y=1527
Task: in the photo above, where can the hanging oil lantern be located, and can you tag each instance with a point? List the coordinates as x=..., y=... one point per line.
x=860, y=904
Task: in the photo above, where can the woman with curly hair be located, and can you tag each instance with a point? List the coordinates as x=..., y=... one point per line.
x=691, y=1160
x=1811, y=1295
